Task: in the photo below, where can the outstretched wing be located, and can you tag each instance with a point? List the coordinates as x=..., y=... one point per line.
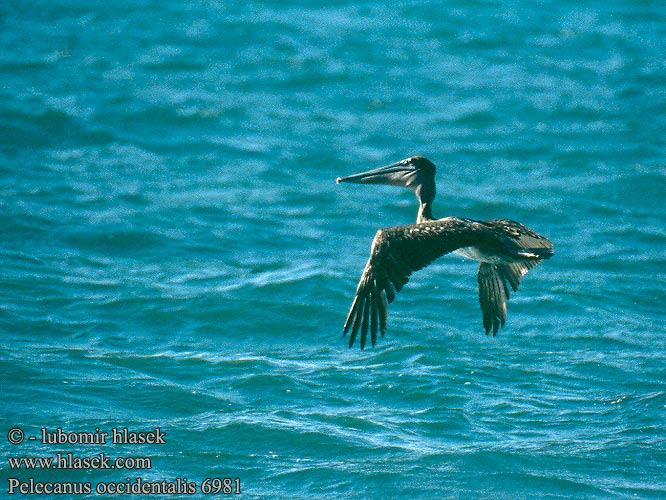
x=396, y=253
x=495, y=279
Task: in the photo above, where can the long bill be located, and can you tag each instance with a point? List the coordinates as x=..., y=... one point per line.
x=396, y=174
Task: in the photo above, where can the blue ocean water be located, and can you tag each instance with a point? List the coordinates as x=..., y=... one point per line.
x=175, y=252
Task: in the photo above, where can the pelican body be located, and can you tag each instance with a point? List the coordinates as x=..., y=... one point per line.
x=505, y=249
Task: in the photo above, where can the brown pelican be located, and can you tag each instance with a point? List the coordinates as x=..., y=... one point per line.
x=505, y=249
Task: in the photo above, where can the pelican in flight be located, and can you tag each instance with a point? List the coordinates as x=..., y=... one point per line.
x=505, y=249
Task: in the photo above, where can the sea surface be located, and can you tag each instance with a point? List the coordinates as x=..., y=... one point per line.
x=175, y=253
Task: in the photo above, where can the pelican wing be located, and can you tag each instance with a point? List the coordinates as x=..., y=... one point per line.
x=395, y=254
x=494, y=283
x=496, y=280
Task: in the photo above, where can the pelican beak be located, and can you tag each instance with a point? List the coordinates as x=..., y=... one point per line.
x=397, y=174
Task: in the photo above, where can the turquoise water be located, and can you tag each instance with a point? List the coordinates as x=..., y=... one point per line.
x=175, y=252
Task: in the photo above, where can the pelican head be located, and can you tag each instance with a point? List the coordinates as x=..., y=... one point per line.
x=416, y=173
